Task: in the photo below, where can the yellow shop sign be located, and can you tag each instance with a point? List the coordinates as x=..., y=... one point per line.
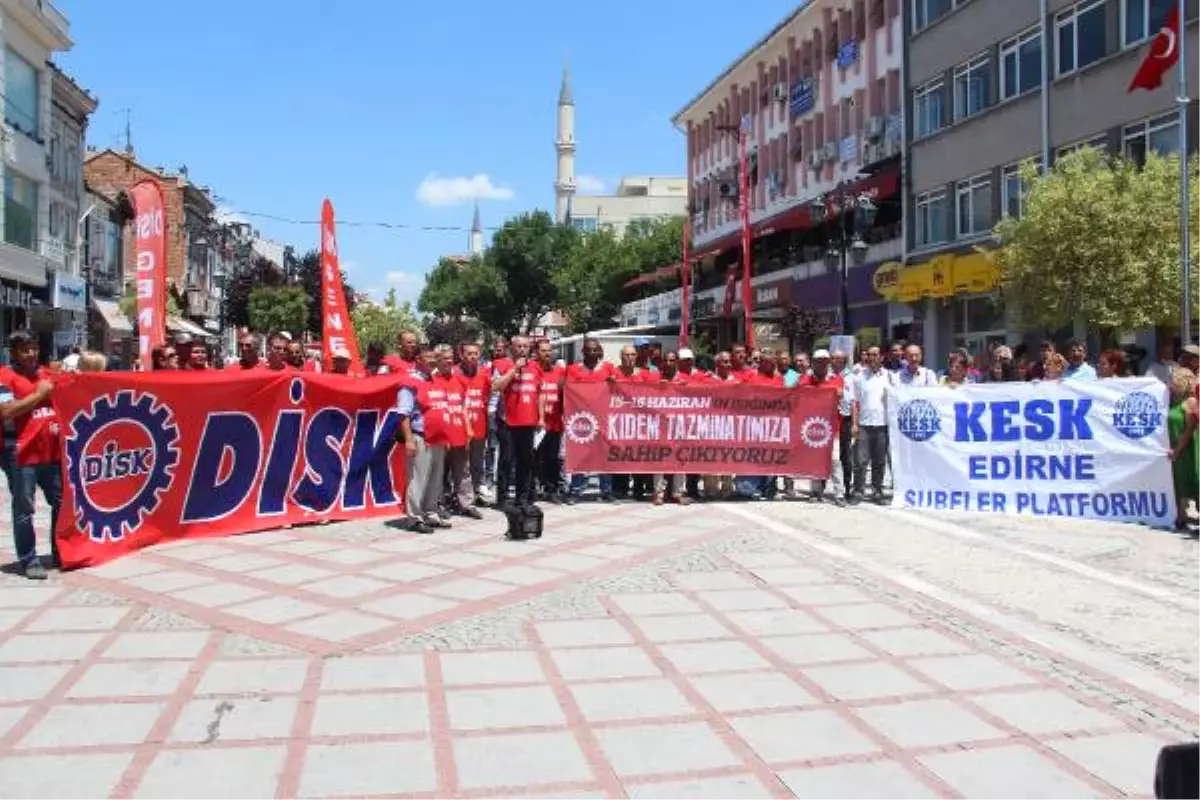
x=942, y=276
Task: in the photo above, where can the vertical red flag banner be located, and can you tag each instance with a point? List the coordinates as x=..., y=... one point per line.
x=685, y=276
x=747, y=252
x=150, y=271
x=1163, y=54
x=144, y=462
x=336, y=328
x=699, y=429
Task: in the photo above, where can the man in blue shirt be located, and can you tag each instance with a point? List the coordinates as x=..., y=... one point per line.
x=1077, y=367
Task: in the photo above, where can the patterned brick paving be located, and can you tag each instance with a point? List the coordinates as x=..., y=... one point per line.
x=632, y=652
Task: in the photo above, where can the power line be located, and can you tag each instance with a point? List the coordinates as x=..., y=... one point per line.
x=397, y=226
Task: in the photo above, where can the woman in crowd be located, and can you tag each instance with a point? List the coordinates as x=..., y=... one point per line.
x=93, y=362
x=1185, y=446
x=1112, y=364
x=956, y=371
x=1054, y=366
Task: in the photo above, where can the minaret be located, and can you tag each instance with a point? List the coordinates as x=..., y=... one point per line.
x=564, y=185
x=476, y=241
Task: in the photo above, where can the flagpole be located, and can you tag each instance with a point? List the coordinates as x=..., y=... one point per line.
x=1185, y=244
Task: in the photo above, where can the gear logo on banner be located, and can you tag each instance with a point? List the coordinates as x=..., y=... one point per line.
x=919, y=420
x=582, y=427
x=816, y=432
x=1137, y=415
x=121, y=457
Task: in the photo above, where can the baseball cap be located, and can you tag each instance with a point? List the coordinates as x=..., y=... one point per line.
x=820, y=354
x=686, y=355
x=641, y=341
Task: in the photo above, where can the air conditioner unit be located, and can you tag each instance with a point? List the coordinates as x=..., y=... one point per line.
x=727, y=190
x=875, y=127
x=780, y=92
x=816, y=158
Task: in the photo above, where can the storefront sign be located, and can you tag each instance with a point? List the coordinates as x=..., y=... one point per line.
x=942, y=276
x=773, y=295
x=802, y=98
x=68, y=293
x=13, y=295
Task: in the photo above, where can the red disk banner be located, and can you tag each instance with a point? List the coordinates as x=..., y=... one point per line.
x=170, y=455
x=699, y=429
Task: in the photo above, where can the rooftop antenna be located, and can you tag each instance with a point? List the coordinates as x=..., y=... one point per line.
x=128, y=132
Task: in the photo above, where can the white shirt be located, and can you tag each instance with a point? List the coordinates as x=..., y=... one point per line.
x=922, y=377
x=71, y=363
x=870, y=393
x=1162, y=370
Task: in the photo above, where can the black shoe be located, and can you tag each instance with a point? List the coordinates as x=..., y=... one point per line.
x=420, y=527
x=840, y=502
x=35, y=571
x=607, y=497
x=470, y=513
x=435, y=521
x=855, y=498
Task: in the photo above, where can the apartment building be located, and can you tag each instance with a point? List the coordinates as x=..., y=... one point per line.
x=991, y=83
x=820, y=100
x=31, y=32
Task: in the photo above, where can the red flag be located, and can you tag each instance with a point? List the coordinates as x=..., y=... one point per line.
x=150, y=245
x=1164, y=52
x=336, y=327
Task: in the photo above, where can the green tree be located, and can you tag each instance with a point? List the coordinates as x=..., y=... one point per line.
x=591, y=283
x=1098, y=241
x=245, y=279
x=278, y=308
x=450, y=330
x=657, y=242
x=383, y=323
x=525, y=254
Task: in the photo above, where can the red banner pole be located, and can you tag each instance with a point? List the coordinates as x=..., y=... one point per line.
x=337, y=331
x=744, y=208
x=150, y=245
x=684, y=300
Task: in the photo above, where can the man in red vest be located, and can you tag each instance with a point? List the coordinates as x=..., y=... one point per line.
x=550, y=472
x=518, y=388
x=477, y=383
x=423, y=432
x=247, y=353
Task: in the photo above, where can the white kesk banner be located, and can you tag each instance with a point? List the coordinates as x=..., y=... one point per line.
x=1095, y=449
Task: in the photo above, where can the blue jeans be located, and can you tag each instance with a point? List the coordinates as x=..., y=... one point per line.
x=580, y=482
x=24, y=485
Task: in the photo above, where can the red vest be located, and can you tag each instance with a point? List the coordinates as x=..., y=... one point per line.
x=445, y=419
x=478, y=390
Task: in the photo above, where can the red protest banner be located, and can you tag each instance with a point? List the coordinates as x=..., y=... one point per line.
x=144, y=462
x=699, y=429
x=337, y=331
x=150, y=287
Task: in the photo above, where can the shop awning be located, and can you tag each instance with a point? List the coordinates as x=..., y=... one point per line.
x=110, y=312
x=180, y=325
x=884, y=183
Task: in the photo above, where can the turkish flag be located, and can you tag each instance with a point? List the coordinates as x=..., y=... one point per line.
x=1164, y=52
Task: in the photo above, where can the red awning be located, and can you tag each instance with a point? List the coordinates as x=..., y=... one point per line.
x=662, y=273
x=884, y=183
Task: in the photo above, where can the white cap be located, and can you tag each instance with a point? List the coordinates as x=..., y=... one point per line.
x=822, y=353
x=286, y=335
x=341, y=352
x=686, y=355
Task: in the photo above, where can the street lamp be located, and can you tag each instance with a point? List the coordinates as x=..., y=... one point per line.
x=847, y=239
x=743, y=133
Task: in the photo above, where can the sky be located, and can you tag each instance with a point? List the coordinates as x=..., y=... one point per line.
x=400, y=112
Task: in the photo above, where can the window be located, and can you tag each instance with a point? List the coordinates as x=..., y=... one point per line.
x=20, y=210
x=972, y=87
x=927, y=109
x=21, y=84
x=1020, y=64
x=1082, y=33
x=974, y=213
x=1141, y=19
x=931, y=218
x=1012, y=192
x=927, y=12
x=1160, y=134
x=584, y=224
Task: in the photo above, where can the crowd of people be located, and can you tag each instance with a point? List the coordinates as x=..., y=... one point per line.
x=488, y=431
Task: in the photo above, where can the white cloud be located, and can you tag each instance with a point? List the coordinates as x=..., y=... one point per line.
x=399, y=278
x=590, y=184
x=438, y=191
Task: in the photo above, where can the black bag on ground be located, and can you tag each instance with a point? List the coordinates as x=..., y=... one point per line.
x=524, y=522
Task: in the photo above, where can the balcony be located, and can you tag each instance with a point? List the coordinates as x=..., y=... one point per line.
x=43, y=21
x=201, y=304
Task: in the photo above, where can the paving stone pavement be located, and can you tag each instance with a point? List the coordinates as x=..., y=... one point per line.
x=740, y=650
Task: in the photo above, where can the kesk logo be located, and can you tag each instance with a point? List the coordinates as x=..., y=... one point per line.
x=816, y=432
x=120, y=458
x=1137, y=415
x=582, y=427
x=919, y=420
